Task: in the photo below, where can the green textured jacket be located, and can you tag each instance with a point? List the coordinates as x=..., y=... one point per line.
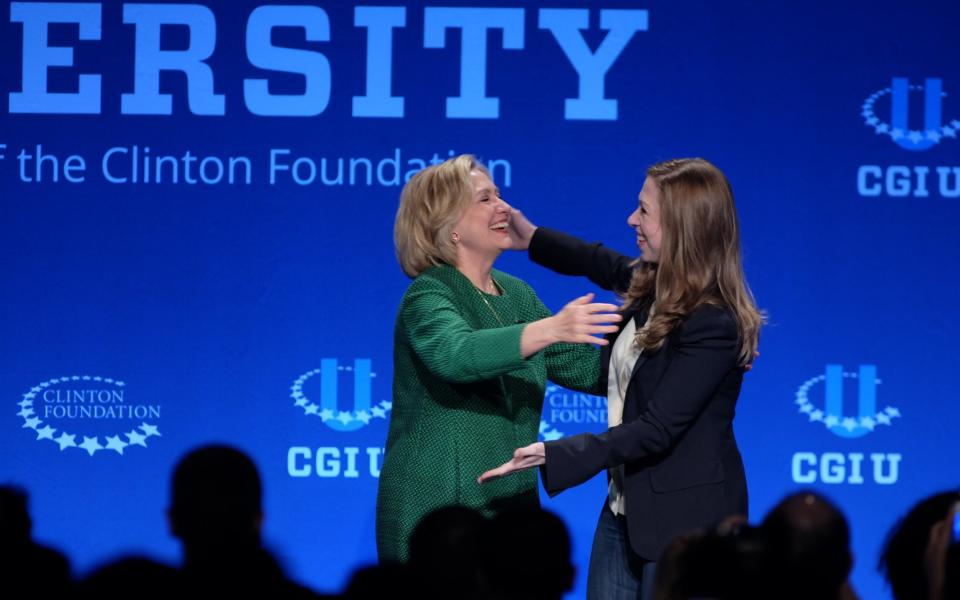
x=464, y=399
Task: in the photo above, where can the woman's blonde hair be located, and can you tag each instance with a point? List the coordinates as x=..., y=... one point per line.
x=700, y=259
x=431, y=203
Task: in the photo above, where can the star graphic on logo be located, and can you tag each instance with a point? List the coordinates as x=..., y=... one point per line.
x=149, y=430
x=32, y=423
x=896, y=133
x=806, y=408
x=872, y=121
x=311, y=409
x=378, y=412
x=46, y=433
x=25, y=403
x=66, y=440
x=949, y=132
x=955, y=124
x=326, y=414
x=893, y=412
x=114, y=443
x=915, y=137
x=301, y=401
x=933, y=135
x=91, y=445
x=816, y=415
x=831, y=421
x=883, y=419
x=136, y=438
x=849, y=424
x=386, y=405
x=25, y=412
x=867, y=423
x=344, y=417
x=882, y=128
x=364, y=416
x=552, y=435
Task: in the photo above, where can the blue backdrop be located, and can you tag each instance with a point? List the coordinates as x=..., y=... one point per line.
x=196, y=232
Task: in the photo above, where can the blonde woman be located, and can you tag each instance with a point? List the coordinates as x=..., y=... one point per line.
x=473, y=348
x=672, y=374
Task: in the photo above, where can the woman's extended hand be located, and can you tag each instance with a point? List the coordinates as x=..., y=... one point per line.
x=521, y=230
x=583, y=321
x=523, y=458
x=580, y=322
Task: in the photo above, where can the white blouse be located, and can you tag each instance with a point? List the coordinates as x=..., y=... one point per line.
x=623, y=357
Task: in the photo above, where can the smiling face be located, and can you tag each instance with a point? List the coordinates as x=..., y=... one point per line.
x=645, y=220
x=482, y=230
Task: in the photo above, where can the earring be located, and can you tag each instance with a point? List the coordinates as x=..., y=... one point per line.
x=455, y=237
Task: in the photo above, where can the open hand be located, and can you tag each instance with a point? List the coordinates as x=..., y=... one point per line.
x=521, y=230
x=583, y=321
x=523, y=458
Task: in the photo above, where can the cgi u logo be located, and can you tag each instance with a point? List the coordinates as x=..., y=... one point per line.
x=900, y=112
x=866, y=404
x=329, y=393
x=329, y=409
x=833, y=415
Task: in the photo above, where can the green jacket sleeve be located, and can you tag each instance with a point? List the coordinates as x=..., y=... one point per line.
x=450, y=347
x=574, y=366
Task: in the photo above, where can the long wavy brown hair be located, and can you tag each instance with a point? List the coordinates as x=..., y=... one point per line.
x=699, y=255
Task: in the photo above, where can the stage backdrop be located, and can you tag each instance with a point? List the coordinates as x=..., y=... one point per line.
x=196, y=232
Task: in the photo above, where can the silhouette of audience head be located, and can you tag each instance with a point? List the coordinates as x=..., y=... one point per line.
x=15, y=523
x=725, y=563
x=445, y=552
x=388, y=580
x=808, y=541
x=902, y=560
x=216, y=512
x=24, y=564
x=215, y=499
x=114, y=581
x=529, y=555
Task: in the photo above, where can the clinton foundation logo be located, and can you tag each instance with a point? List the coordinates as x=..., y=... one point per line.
x=821, y=399
x=914, y=118
x=565, y=409
x=323, y=395
x=89, y=413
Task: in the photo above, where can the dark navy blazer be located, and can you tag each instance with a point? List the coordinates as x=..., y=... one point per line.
x=683, y=469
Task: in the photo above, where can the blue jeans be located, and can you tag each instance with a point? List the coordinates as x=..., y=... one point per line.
x=616, y=573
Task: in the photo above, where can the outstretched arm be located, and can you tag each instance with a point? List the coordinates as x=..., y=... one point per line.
x=568, y=255
x=455, y=351
x=705, y=351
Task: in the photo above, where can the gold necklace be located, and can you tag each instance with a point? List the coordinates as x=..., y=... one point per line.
x=483, y=297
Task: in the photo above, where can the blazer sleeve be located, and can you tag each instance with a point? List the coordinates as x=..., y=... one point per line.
x=704, y=351
x=449, y=346
x=569, y=255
